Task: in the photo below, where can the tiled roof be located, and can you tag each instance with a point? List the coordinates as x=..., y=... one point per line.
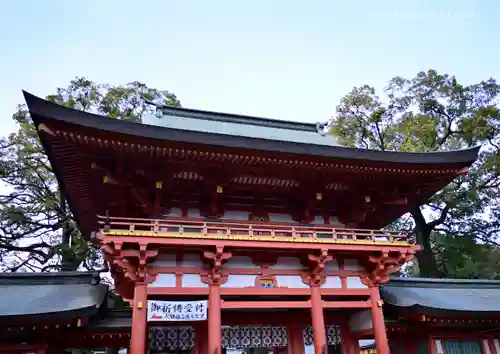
x=241, y=132
x=443, y=294
x=242, y=126
x=58, y=294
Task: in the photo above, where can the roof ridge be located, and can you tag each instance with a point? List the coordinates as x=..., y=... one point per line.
x=238, y=118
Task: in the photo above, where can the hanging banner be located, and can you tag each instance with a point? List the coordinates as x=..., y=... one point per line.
x=177, y=310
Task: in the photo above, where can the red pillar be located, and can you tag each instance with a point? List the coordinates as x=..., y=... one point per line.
x=42, y=349
x=355, y=346
x=378, y=322
x=139, y=320
x=318, y=321
x=214, y=320
x=296, y=338
x=350, y=344
x=201, y=338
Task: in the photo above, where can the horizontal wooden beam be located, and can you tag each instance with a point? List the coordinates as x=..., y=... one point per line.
x=292, y=292
x=265, y=292
x=154, y=290
x=345, y=292
x=156, y=270
x=346, y=304
x=292, y=304
x=305, y=246
x=265, y=304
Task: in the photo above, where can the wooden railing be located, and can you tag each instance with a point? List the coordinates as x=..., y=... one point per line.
x=191, y=228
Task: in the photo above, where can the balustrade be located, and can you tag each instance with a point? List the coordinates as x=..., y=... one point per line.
x=192, y=227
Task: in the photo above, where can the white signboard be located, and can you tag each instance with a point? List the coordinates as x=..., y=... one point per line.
x=177, y=310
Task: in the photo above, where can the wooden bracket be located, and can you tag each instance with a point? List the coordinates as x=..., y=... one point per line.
x=386, y=264
x=132, y=263
x=218, y=257
x=316, y=275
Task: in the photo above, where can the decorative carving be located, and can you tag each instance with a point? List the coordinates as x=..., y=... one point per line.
x=316, y=275
x=266, y=281
x=217, y=258
x=206, y=278
x=383, y=266
x=130, y=262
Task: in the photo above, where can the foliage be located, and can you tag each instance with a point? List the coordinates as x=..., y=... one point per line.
x=464, y=257
x=434, y=112
x=116, y=301
x=37, y=231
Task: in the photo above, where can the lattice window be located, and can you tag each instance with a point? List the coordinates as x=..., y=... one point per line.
x=171, y=338
x=332, y=335
x=239, y=337
x=462, y=346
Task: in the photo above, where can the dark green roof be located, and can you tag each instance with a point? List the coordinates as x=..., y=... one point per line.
x=436, y=295
x=241, y=126
x=235, y=131
x=49, y=295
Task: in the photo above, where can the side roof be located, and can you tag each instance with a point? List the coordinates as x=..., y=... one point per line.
x=431, y=296
x=50, y=296
x=235, y=131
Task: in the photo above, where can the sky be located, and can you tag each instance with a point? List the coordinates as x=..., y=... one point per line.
x=281, y=59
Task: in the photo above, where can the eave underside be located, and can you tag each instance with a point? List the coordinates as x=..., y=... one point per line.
x=438, y=315
x=182, y=172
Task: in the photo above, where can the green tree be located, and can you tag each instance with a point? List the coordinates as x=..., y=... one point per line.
x=434, y=112
x=37, y=230
x=463, y=257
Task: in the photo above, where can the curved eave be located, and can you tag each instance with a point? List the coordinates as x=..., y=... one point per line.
x=434, y=297
x=49, y=299
x=43, y=111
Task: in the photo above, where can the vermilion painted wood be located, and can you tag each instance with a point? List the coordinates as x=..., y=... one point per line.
x=139, y=319
x=192, y=227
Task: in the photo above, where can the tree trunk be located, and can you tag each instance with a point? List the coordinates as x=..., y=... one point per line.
x=427, y=264
x=68, y=263
x=66, y=232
